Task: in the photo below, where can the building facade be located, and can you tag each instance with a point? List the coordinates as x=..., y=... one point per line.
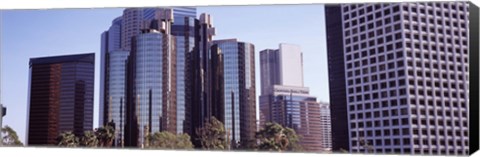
x=237, y=91
x=336, y=77
x=60, y=97
x=201, y=105
x=293, y=107
x=406, y=67
x=116, y=48
x=326, y=126
x=284, y=99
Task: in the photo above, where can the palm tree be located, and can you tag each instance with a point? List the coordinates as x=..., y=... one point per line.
x=89, y=139
x=106, y=135
x=67, y=139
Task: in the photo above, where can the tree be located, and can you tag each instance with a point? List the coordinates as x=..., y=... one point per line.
x=10, y=137
x=167, y=140
x=212, y=135
x=274, y=137
x=89, y=139
x=106, y=135
x=67, y=139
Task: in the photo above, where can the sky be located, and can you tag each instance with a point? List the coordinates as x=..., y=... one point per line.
x=26, y=34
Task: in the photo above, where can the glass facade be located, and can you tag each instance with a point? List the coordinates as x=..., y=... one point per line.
x=238, y=89
x=148, y=90
x=183, y=29
x=116, y=95
x=176, y=72
x=61, y=97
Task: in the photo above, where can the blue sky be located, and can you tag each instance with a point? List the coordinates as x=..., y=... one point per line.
x=37, y=33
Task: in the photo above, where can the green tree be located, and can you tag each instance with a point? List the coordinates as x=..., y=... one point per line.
x=213, y=135
x=274, y=137
x=10, y=137
x=89, y=139
x=167, y=140
x=67, y=139
x=106, y=135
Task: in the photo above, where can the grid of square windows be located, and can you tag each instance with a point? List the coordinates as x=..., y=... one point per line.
x=401, y=58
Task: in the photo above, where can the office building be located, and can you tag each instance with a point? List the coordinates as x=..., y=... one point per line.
x=116, y=47
x=201, y=105
x=284, y=99
x=293, y=107
x=406, y=67
x=60, y=97
x=336, y=78
x=151, y=81
x=234, y=88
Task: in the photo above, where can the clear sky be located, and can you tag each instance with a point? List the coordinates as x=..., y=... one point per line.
x=25, y=34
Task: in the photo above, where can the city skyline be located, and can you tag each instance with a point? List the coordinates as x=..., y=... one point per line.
x=220, y=22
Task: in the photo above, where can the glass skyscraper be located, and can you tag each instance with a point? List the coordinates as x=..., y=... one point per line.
x=237, y=89
x=60, y=97
x=116, y=88
x=116, y=47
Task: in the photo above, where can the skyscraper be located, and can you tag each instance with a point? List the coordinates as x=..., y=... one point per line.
x=284, y=99
x=201, y=106
x=406, y=67
x=116, y=47
x=151, y=96
x=237, y=92
x=336, y=77
x=60, y=97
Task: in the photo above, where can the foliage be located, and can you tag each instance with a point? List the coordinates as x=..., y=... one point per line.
x=101, y=137
x=106, y=135
x=212, y=135
x=10, y=137
x=274, y=137
x=167, y=140
x=67, y=139
x=89, y=139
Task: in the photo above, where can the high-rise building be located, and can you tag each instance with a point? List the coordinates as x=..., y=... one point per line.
x=151, y=82
x=406, y=67
x=112, y=65
x=116, y=47
x=185, y=32
x=116, y=87
x=326, y=126
x=200, y=71
x=336, y=77
x=284, y=99
x=60, y=97
x=293, y=107
x=233, y=90
x=283, y=66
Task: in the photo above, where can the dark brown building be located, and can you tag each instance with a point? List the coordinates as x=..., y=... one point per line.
x=60, y=97
x=336, y=81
